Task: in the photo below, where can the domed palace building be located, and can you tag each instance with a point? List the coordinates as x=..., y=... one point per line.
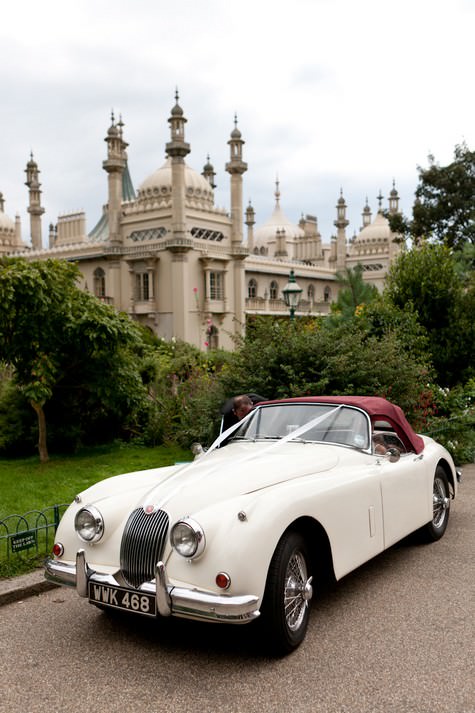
x=172, y=260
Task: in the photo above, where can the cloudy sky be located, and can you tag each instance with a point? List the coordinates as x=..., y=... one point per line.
x=329, y=94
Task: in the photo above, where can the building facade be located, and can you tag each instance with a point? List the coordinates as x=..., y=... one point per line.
x=166, y=255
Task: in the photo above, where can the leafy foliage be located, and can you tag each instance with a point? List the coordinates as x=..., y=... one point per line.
x=283, y=358
x=184, y=394
x=355, y=293
x=73, y=357
x=426, y=279
x=444, y=208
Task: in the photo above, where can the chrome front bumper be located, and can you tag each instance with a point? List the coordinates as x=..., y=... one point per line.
x=171, y=601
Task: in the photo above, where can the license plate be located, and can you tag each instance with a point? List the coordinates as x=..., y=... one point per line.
x=118, y=598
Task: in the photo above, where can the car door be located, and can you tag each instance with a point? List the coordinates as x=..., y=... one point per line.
x=406, y=496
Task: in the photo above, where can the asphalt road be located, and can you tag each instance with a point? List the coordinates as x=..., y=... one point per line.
x=396, y=636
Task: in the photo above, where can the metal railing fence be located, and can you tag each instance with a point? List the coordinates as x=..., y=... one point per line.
x=33, y=531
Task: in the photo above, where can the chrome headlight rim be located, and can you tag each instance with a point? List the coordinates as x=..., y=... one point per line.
x=195, y=531
x=97, y=524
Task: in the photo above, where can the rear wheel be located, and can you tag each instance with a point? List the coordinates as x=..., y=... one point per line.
x=285, y=609
x=434, y=529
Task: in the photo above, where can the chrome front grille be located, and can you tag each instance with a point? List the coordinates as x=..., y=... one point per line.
x=143, y=541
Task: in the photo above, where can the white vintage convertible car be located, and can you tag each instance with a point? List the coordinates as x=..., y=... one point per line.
x=298, y=489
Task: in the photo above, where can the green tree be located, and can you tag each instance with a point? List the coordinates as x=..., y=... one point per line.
x=444, y=207
x=354, y=292
x=426, y=280
x=59, y=338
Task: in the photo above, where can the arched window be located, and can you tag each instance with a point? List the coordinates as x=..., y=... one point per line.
x=311, y=293
x=273, y=290
x=252, y=288
x=99, y=282
x=327, y=293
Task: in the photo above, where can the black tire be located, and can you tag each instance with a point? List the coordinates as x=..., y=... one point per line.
x=434, y=529
x=285, y=609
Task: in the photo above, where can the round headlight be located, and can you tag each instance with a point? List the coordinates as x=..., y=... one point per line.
x=89, y=524
x=187, y=538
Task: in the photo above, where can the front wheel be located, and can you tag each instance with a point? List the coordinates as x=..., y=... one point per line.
x=285, y=608
x=434, y=529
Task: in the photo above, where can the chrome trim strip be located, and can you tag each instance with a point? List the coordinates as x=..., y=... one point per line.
x=60, y=572
x=171, y=601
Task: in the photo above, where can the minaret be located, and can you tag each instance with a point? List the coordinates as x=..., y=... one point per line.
x=34, y=208
x=236, y=167
x=114, y=166
x=341, y=223
x=366, y=215
x=396, y=242
x=393, y=200
x=209, y=173
x=250, y=222
x=18, y=240
x=177, y=149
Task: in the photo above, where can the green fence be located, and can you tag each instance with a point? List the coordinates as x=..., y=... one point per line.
x=31, y=533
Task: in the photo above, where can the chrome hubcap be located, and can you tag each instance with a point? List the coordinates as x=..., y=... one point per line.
x=298, y=591
x=440, y=503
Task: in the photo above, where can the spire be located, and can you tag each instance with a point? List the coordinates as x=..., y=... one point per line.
x=209, y=172
x=115, y=166
x=250, y=222
x=177, y=146
x=236, y=164
x=277, y=192
x=35, y=208
x=341, y=221
x=380, y=201
x=366, y=214
x=394, y=199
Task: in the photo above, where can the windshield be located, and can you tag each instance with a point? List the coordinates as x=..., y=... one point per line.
x=315, y=423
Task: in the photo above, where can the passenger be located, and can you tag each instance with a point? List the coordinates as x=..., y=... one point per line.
x=236, y=408
x=241, y=406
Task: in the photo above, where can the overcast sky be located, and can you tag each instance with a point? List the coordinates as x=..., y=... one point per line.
x=329, y=94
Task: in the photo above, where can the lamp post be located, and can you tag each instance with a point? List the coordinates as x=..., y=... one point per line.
x=292, y=292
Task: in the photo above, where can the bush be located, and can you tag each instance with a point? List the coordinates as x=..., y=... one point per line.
x=184, y=394
x=453, y=423
x=282, y=359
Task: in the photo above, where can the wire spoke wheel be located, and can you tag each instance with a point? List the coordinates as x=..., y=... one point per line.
x=434, y=529
x=441, y=502
x=285, y=609
x=296, y=591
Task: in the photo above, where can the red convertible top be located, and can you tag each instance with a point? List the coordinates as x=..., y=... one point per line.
x=378, y=409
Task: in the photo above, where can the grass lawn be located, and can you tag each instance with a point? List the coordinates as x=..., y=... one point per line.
x=26, y=484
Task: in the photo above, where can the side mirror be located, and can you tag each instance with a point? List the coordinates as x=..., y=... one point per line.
x=393, y=455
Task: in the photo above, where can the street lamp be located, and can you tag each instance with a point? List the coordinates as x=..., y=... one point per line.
x=292, y=292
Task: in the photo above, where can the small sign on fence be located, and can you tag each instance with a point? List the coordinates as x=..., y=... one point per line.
x=23, y=541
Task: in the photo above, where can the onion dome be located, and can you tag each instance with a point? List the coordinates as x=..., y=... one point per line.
x=373, y=237
x=159, y=185
x=265, y=235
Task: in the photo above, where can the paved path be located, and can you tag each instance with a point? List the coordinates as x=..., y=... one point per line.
x=396, y=636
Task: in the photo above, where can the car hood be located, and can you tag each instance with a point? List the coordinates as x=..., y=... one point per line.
x=237, y=469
